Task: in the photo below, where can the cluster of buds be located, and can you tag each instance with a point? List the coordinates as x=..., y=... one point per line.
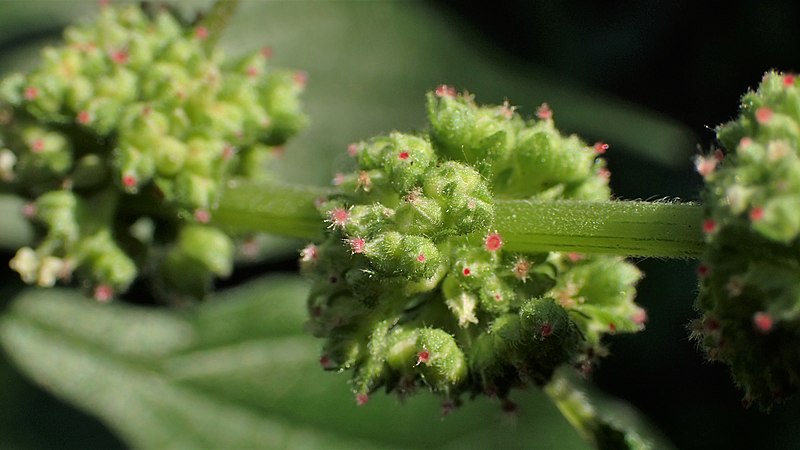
x=750, y=276
x=124, y=137
x=413, y=288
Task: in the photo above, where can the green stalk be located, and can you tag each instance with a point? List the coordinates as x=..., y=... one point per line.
x=629, y=228
x=654, y=229
x=275, y=208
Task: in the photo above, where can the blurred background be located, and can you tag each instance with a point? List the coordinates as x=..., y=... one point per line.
x=650, y=78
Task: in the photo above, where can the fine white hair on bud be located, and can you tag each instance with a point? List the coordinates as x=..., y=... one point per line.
x=427, y=294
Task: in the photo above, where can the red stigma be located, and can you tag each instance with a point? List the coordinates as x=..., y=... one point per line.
x=201, y=32
x=129, y=181
x=403, y=155
x=84, y=118
x=423, y=357
x=498, y=297
x=600, y=147
x=763, y=322
x=444, y=90
x=466, y=271
x=709, y=226
x=756, y=214
x=325, y=362
x=544, y=112
x=202, y=215
x=493, y=242
x=362, y=399
x=227, y=152
x=788, y=80
x=31, y=93
x=703, y=270
x=546, y=330
x=612, y=328
x=266, y=52
x=421, y=257
x=763, y=115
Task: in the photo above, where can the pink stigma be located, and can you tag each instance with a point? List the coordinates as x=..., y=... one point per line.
x=201, y=32
x=37, y=146
x=763, y=322
x=639, y=317
x=493, y=242
x=119, y=56
x=29, y=210
x=745, y=142
x=706, y=165
x=600, y=147
x=227, y=152
x=756, y=214
x=352, y=150
x=300, y=78
x=362, y=399
x=252, y=72
x=544, y=112
x=444, y=90
x=763, y=115
x=709, y=226
x=266, y=52
x=103, y=293
x=403, y=155
x=575, y=256
x=338, y=217
x=421, y=257
x=788, y=80
x=546, y=330
x=356, y=245
x=521, y=268
x=309, y=253
x=202, y=215
x=31, y=93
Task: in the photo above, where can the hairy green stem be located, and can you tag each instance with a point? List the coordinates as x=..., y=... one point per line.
x=276, y=208
x=217, y=19
x=630, y=228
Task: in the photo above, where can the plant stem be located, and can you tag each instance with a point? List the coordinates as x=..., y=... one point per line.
x=217, y=19
x=628, y=228
x=276, y=208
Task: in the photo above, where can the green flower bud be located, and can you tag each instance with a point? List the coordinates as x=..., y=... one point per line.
x=748, y=280
x=413, y=288
x=140, y=116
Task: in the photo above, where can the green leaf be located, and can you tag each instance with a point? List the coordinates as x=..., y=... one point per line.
x=236, y=372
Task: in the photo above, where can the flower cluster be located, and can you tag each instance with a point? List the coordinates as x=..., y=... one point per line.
x=750, y=277
x=125, y=135
x=413, y=288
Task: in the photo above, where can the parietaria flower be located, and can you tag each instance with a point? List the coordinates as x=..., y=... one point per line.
x=427, y=296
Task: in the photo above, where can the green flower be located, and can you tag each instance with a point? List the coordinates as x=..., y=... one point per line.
x=412, y=287
x=134, y=117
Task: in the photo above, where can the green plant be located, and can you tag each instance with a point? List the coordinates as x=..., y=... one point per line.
x=416, y=225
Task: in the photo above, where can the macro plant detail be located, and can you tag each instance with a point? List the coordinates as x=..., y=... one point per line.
x=481, y=254
x=124, y=137
x=748, y=278
x=412, y=287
